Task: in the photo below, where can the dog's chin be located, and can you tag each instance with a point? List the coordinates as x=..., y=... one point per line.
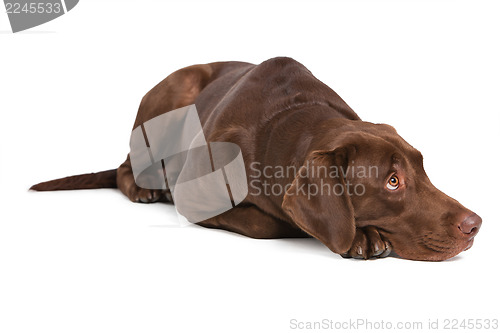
x=425, y=254
x=469, y=244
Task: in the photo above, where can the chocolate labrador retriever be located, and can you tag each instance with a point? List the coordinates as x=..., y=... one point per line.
x=283, y=118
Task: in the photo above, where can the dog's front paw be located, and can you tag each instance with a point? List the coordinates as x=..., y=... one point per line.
x=368, y=243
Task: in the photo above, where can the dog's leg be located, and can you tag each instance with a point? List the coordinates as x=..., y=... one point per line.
x=179, y=89
x=126, y=183
x=250, y=221
x=368, y=243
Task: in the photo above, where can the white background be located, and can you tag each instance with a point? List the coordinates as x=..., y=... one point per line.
x=91, y=261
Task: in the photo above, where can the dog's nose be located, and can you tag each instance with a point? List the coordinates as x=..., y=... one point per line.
x=470, y=225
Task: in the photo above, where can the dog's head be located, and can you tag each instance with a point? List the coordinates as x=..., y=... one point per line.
x=369, y=176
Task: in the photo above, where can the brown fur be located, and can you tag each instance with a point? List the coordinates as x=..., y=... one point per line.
x=281, y=115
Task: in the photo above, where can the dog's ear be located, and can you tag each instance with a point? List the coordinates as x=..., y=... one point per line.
x=318, y=202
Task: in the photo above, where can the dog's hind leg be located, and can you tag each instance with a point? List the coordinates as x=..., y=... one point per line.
x=179, y=89
x=126, y=184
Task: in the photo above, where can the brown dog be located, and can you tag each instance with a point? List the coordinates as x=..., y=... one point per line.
x=283, y=118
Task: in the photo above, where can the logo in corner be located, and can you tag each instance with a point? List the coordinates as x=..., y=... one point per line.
x=26, y=14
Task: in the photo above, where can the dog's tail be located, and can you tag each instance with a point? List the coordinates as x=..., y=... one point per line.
x=103, y=179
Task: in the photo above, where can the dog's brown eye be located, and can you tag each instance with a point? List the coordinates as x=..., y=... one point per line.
x=393, y=183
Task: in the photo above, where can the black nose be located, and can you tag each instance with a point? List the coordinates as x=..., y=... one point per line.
x=470, y=225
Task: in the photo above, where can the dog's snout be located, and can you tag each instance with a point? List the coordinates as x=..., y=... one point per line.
x=470, y=225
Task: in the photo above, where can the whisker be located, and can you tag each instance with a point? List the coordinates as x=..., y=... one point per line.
x=431, y=248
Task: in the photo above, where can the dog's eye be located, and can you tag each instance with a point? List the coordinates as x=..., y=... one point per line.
x=393, y=183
